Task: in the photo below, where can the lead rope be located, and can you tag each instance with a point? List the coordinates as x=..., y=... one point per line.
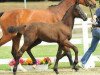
x=92, y=18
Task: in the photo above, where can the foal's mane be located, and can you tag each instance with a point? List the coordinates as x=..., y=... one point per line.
x=66, y=14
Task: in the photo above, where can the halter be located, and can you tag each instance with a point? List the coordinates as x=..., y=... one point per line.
x=77, y=2
x=86, y=2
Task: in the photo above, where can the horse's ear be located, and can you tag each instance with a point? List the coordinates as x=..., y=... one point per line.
x=24, y=26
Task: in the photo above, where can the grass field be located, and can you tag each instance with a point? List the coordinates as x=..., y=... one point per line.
x=40, y=51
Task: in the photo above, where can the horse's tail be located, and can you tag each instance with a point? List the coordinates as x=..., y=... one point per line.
x=14, y=29
x=1, y=13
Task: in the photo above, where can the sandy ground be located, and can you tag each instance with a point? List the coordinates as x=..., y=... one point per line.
x=95, y=71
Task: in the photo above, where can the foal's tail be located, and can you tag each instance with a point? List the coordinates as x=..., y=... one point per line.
x=1, y=13
x=15, y=29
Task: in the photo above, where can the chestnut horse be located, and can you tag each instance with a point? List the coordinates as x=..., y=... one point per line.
x=24, y=16
x=59, y=32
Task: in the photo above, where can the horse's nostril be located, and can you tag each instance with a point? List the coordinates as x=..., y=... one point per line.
x=95, y=5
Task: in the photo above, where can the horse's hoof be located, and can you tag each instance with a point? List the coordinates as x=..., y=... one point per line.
x=14, y=73
x=56, y=71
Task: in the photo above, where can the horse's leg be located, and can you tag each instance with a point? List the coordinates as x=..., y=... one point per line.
x=29, y=50
x=15, y=44
x=5, y=38
x=57, y=59
x=70, y=45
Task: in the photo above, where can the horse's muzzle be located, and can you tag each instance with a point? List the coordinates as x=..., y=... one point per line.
x=93, y=6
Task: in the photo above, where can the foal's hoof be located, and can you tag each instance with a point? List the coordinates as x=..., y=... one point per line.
x=76, y=69
x=14, y=73
x=56, y=71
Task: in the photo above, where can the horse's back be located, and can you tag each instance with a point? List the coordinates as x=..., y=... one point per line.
x=24, y=16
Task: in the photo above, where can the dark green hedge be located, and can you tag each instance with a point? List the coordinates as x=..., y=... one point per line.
x=23, y=0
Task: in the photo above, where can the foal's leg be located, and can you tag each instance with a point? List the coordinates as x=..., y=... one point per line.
x=68, y=53
x=70, y=45
x=57, y=59
x=15, y=44
x=38, y=41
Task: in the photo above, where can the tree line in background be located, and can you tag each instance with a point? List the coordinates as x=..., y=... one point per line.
x=23, y=0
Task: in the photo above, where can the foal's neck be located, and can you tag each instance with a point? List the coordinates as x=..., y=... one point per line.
x=60, y=9
x=68, y=19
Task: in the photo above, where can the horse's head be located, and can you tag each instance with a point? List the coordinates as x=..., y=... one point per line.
x=90, y=3
x=78, y=12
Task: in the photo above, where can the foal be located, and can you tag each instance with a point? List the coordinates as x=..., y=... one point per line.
x=60, y=32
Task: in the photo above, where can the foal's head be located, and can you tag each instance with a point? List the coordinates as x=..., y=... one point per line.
x=74, y=12
x=78, y=12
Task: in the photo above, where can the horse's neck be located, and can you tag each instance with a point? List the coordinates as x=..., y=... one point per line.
x=60, y=9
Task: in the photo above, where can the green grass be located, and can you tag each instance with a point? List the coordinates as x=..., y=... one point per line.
x=38, y=51
x=5, y=67
x=42, y=51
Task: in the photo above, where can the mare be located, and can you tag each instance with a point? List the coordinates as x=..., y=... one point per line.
x=24, y=16
x=60, y=33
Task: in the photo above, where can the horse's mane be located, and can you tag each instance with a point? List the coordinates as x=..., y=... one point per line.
x=55, y=5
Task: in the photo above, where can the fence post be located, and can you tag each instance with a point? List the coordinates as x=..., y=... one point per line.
x=85, y=36
x=46, y=0
x=24, y=3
